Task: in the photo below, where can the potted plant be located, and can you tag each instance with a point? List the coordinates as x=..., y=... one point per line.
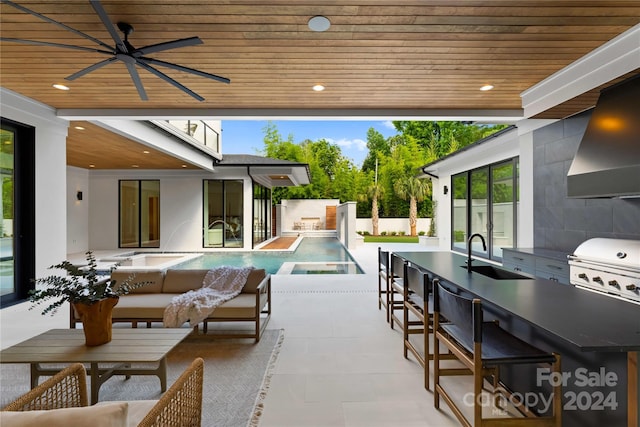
x=431, y=239
x=93, y=296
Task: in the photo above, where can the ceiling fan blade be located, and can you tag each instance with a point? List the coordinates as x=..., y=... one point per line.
x=190, y=41
x=90, y=69
x=64, y=46
x=136, y=80
x=59, y=24
x=97, y=6
x=151, y=61
x=170, y=80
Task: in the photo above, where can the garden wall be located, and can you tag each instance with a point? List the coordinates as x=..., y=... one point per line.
x=390, y=225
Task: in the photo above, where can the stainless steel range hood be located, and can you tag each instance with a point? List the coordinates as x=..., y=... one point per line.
x=607, y=163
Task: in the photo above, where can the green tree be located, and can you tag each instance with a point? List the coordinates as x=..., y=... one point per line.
x=378, y=147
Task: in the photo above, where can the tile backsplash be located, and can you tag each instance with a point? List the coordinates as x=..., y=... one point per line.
x=562, y=223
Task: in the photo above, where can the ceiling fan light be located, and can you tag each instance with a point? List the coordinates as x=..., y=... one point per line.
x=61, y=86
x=319, y=23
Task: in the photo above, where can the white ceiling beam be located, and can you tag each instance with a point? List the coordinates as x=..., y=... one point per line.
x=491, y=116
x=613, y=59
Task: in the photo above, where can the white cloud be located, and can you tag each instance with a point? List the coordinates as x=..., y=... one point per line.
x=358, y=144
x=389, y=124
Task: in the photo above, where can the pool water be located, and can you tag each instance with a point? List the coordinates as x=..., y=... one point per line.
x=320, y=251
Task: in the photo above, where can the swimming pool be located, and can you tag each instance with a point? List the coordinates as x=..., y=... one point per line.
x=321, y=251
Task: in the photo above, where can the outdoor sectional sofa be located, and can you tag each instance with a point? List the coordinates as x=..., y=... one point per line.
x=147, y=303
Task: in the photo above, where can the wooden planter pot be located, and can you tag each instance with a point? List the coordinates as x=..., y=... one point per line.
x=96, y=320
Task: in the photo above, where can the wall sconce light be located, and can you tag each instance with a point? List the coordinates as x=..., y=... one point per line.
x=79, y=195
x=446, y=189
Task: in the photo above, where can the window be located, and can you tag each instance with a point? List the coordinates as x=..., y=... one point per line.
x=139, y=214
x=223, y=214
x=485, y=201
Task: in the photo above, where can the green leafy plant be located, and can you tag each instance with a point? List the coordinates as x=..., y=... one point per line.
x=79, y=285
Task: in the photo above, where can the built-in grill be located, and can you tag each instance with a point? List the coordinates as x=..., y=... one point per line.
x=610, y=266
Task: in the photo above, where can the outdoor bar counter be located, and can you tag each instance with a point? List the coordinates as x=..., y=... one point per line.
x=598, y=338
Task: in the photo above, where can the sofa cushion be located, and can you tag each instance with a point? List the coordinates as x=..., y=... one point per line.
x=253, y=281
x=138, y=409
x=181, y=281
x=152, y=306
x=142, y=306
x=155, y=277
x=107, y=415
x=242, y=306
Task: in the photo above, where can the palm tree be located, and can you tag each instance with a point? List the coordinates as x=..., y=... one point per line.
x=416, y=190
x=375, y=191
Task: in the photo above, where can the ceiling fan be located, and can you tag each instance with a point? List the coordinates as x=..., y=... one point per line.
x=123, y=51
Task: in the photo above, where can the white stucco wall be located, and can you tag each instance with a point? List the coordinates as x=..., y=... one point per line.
x=51, y=175
x=77, y=210
x=297, y=210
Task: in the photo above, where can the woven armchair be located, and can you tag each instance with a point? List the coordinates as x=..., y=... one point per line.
x=181, y=404
x=66, y=389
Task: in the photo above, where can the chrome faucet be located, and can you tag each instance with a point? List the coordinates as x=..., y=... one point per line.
x=484, y=247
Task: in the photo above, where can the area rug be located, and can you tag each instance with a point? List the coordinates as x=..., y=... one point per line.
x=236, y=378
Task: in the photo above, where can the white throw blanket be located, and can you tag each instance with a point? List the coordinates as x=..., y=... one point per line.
x=219, y=285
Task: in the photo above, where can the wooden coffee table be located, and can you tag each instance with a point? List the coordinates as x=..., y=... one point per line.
x=126, y=347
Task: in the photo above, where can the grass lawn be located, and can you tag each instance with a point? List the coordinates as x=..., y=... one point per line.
x=391, y=239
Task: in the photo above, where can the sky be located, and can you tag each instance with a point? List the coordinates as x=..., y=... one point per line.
x=247, y=136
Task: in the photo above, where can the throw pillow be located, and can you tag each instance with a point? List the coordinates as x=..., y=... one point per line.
x=108, y=415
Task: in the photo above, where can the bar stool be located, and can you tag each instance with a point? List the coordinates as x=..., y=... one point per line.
x=384, y=274
x=483, y=347
x=396, y=290
x=418, y=316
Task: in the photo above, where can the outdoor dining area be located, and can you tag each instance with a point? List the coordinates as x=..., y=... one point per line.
x=308, y=223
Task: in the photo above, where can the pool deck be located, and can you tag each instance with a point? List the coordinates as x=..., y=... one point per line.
x=280, y=243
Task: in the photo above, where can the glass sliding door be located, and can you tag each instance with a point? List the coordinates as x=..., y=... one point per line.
x=486, y=201
x=503, y=208
x=261, y=213
x=139, y=214
x=7, y=144
x=223, y=214
x=459, y=211
x=479, y=218
x=18, y=223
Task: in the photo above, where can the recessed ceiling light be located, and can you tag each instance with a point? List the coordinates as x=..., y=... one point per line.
x=61, y=87
x=79, y=127
x=318, y=88
x=184, y=166
x=135, y=166
x=92, y=166
x=319, y=23
x=486, y=88
x=146, y=152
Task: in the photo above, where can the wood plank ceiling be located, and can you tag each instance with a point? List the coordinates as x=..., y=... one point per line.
x=406, y=54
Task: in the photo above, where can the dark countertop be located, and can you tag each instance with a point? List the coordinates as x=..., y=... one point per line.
x=590, y=321
x=542, y=252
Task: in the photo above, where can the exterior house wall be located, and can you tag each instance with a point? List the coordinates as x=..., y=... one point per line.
x=50, y=175
x=181, y=207
x=77, y=210
x=500, y=148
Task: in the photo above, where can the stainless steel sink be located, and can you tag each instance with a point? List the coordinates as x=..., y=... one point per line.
x=496, y=273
